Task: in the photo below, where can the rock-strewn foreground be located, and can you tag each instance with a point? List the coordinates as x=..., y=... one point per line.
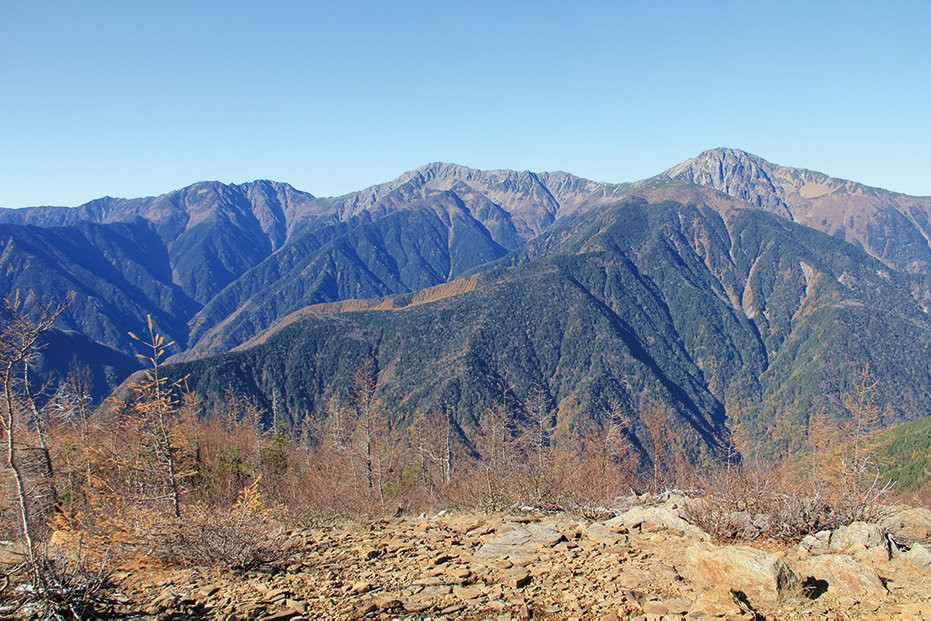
x=645, y=563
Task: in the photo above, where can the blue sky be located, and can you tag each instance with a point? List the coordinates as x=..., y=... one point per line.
x=133, y=99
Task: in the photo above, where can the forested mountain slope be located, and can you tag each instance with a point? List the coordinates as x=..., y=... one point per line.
x=217, y=263
x=712, y=311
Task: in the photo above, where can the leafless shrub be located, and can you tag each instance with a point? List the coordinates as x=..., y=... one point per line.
x=70, y=586
x=242, y=538
x=748, y=504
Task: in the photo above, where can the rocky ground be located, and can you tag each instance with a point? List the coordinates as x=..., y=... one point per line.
x=646, y=563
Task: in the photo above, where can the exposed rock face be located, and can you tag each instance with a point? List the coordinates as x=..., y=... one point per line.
x=892, y=227
x=844, y=575
x=909, y=524
x=816, y=543
x=518, y=542
x=606, y=534
x=719, y=602
x=858, y=535
x=860, y=539
x=736, y=173
x=662, y=516
x=919, y=557
x=762, y=577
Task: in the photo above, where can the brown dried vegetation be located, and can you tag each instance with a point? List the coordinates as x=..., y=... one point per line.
x=165, y=479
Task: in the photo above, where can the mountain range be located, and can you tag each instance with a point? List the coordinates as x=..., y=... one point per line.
x=726, y=286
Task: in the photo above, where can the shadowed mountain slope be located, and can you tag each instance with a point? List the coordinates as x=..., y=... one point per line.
x=114, y=274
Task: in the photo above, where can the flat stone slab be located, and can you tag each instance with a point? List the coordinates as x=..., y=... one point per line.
x=602, y=534
x=517, y=542
x=658, y=517
x=845, y=576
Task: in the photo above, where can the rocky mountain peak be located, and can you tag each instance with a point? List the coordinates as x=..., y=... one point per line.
x=736, y=173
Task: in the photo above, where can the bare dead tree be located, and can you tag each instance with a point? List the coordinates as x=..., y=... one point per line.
x=19, y=340
x=434, y=442
x=494, y=443
x=448, y=439
x=37, y=419
x=366, y=418
x=74, y=401
x=540, y=412
x=862, y=484
x=864, y=412
x=656, y=418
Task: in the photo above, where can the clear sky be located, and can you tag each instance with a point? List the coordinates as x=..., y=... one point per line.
x=134, y=99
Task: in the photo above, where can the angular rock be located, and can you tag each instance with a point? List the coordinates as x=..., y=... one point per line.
x=860, y=538
x=284, y=615
x=816, y=543
x=416, y=606
x=844, y=575
x=656, y=517
x=631, y=577
x=919, y=557
x=441, y=559
x=435, y=591
x=518, y=542
x=915, y=610
x=762, y=577
x=909, y=524
x=516, y=578
x=459, y=573
x=467, y=593
x=603, y=534
x=666, y=607
x=718, y=602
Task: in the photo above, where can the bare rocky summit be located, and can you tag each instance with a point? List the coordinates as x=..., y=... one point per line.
x=556, y=566
x=892, y=227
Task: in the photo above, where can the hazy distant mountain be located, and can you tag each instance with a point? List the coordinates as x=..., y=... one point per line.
x=895, y=228
x=115, y=274
x=211, y=232
x=217, y=264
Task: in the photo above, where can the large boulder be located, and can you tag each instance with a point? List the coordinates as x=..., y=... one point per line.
x=859, y=535
x=719, y=602
x=658, y=517
x=867, y=542
x=844, y=575
x=762, y=577
x=816, y=543
x=919, y=557
x=909, y=524
x=601, y=533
